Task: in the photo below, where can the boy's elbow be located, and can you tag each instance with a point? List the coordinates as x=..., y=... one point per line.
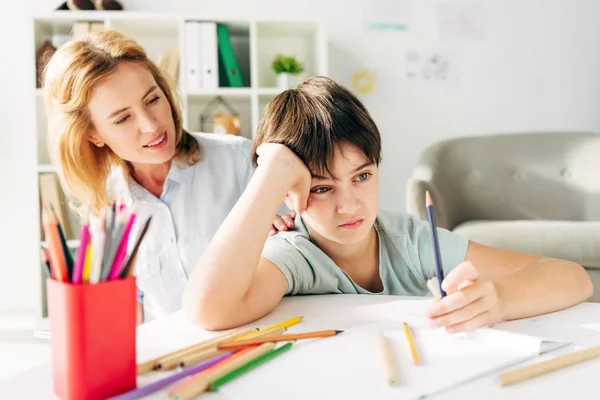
x=206, y=315
x=586, y=286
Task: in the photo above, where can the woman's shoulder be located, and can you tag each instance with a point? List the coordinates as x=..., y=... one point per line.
x=221, y=141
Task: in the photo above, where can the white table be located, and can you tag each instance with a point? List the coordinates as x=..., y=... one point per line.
x=321, y=312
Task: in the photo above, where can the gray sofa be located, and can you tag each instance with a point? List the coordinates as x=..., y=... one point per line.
x=532, y=192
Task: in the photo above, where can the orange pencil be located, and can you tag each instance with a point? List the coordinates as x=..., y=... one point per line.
x=57, y=256
x=280, y=338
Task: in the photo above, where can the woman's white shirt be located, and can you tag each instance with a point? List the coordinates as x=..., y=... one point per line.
x=194, y=202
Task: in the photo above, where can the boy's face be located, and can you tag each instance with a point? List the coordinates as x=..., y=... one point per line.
x=343, y=210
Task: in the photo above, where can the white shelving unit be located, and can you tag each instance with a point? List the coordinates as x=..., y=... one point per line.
x=255, y=43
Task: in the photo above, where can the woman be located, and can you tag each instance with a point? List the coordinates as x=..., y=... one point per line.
x=115, y=131
x=318, y=148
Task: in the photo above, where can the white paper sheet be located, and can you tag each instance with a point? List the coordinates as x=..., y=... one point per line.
x=350, y=364
x=395, y=309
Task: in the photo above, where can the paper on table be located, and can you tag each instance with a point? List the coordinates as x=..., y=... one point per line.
x=350, y=365
x=394, y=309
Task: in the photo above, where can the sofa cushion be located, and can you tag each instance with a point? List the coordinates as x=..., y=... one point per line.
x=570, y=240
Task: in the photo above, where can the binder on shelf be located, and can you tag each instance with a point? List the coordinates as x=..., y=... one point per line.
x=210, y=55
x=227, y=58
x=193, y=56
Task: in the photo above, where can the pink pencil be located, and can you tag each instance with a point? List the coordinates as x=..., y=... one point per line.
x=115, y=269
x=84, y=238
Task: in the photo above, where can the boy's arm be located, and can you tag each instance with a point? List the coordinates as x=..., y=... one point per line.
x=231, y=285
x=495, y=284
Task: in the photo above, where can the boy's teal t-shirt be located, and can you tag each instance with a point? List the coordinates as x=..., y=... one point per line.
x=406, y=258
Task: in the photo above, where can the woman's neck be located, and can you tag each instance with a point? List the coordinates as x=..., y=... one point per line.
x=151, y=176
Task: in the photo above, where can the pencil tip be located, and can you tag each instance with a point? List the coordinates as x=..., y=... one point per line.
x=428, y=201
x=338, y=332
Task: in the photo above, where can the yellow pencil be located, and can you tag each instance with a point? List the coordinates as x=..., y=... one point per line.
x=411, y=343
x=284, y=324
x=87, y=264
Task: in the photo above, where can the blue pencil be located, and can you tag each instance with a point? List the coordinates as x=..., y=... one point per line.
x=436, y=244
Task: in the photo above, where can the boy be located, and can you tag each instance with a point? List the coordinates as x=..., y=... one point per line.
x=318, y=149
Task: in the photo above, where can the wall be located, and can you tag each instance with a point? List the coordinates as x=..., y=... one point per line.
x=538, y=69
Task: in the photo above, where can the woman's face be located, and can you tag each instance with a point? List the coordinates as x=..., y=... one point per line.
x=131, y=115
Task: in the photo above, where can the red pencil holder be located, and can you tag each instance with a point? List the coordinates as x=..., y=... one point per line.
x=93, y=338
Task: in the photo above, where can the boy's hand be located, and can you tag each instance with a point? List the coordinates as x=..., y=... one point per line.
x=282, y=223
x=471, y=301
x=286, y=170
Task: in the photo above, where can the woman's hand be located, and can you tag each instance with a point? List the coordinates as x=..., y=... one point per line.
x=282, y=223
x=284, y=169
x=471, y=301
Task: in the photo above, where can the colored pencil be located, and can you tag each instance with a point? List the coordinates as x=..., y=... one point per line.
x=129, y=262
x=46, y=262
x=63, y=242
x=153, y=387
x=531, y=371
x=84, y=240
x=110, y=222
x=391, y=371
x=195, y=358
x=115, y=240
x=214, y=385
x=57, y=256
x=98, y=241
x=284, y=324
x=174, y=360
x=200, y=382
x=122, y=248
x=151, y=364
x=436, y=244
x=282, y=338
x=411, y=344
x=87, y=264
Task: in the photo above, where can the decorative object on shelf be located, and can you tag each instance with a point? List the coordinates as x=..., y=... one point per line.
x=287, y=69
x=212, y=121
x=78, y=5
x=43, y=55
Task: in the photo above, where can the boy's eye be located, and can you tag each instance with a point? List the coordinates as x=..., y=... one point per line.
x=320, y=190
x=122, y=120
x=363, y=177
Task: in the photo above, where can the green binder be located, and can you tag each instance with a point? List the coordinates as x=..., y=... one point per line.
x=227, y=61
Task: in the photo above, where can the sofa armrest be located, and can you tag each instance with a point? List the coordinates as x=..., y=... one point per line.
x=415, y=203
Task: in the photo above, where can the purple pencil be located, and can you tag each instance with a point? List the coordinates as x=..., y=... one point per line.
x=153, y=387
x=84, y=240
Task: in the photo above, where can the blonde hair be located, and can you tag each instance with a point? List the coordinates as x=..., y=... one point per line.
x=69, y=78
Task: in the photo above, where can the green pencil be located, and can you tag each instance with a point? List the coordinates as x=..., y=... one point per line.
x=214, y=385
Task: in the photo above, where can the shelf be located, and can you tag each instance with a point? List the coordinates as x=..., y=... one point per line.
x=46, y=168
x=242, y=92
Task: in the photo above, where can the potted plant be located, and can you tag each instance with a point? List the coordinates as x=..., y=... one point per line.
x=287, y=69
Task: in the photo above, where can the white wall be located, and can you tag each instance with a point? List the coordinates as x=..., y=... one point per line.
x=538, y=69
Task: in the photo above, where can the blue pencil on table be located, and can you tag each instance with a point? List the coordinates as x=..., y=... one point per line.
x=436, y=244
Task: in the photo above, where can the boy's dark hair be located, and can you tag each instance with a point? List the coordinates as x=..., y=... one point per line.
x=314, y=119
